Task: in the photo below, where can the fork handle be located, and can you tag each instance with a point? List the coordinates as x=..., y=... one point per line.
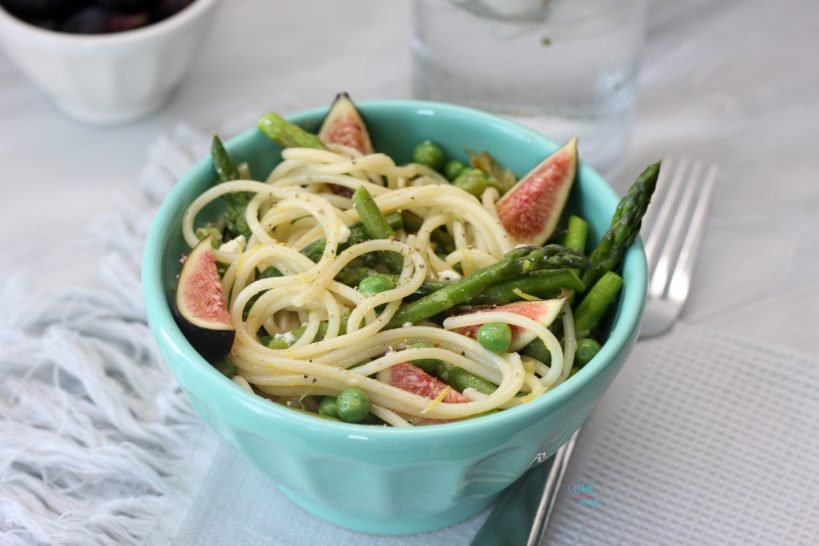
x=522, y=511
x=550, y=491
x=510, y=521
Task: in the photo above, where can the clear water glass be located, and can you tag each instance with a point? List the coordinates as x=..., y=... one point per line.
x=563, y=67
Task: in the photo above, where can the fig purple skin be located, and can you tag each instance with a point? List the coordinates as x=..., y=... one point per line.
x=211, y=344
x=200, y=307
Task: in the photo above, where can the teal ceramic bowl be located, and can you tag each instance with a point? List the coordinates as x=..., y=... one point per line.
x=379, y=479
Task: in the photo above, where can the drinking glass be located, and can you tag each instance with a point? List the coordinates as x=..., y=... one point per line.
x=563, y=67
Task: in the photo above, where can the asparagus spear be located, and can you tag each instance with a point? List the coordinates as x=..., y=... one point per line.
x=358, y=234
x=222, y=163
x=517, y=262
x=625, y=225
x=443, y=240
x=237, y=201
x=542, y=284
x=576, y=233
x=286, y=134
x=460, y=379
x=539, y=283
x=596, y=302
x=371, y=216
x=376, y=226
x=352, y=276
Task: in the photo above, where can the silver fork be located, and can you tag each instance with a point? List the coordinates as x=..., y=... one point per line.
x=671, y=249
x=671, y=252
x=673, y=230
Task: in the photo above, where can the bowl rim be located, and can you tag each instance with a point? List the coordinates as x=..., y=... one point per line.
x=67, y=39
x=161, y=320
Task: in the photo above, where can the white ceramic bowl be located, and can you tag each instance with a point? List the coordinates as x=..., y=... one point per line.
x=109, y=78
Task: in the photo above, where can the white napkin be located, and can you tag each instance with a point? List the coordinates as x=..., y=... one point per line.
x=703, y=438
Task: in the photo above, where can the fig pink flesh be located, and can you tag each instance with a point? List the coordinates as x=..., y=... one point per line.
x=202, y=292
x=531, y=210
x=344, y=125
x=348, y=130
x=411, y=378
x=543, y=312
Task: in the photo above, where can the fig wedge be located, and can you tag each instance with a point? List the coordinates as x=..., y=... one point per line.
x=544, y=312
x=200, y=307
x=531, y=210
x=411, y=378
x=344, y=125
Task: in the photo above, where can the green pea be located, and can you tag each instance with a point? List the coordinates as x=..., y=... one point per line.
x=375, y=284
x=586, y=349
x=427, y=364
x=453, y=168
x=495, y=337
x=353, y=405
x=472, y=181
x=329, y=407
x=429, y=154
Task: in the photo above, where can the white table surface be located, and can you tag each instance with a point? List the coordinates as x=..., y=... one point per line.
x=735, y=83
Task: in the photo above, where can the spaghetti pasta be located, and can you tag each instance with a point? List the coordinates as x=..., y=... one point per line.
x=344, y=340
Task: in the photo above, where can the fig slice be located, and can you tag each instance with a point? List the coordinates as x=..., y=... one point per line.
x=344, y=125
x=200, y=307
x=544, y=312
x=531, y=210
x=411, y=378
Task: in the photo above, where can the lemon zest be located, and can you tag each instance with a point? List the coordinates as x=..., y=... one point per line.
x=438, y=399
x=524, y=296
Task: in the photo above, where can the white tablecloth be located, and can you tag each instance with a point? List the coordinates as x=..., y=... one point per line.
x=734, y=83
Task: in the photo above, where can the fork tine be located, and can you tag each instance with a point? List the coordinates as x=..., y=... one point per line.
x=668, y=165
x=662, y=271
x=657, y=224
x=681, y=276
